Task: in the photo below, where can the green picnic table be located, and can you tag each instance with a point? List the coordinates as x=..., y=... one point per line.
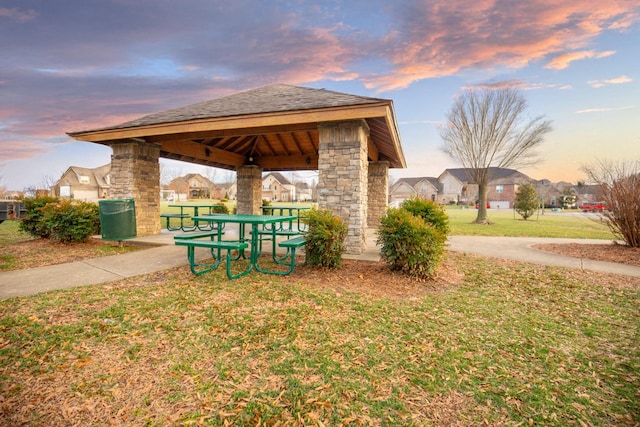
x=255, y=222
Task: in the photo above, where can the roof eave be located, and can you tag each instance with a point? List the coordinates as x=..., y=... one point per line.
x=350, y=112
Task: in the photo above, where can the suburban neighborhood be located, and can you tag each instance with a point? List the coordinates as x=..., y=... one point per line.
x=451, y=187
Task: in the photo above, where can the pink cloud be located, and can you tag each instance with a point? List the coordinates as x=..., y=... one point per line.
x=17, y=15
x=16, y=149
x=446, y=37
x=562, y=61
x=615, y=81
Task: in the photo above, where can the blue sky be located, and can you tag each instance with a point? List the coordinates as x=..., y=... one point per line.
x=82, y=64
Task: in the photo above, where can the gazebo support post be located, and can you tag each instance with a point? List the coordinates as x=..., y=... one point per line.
x=343, y=177
x=378, y=190
x=249, y=190
x=135, y=173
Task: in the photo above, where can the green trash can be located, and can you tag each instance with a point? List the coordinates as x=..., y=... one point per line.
x=117, y=219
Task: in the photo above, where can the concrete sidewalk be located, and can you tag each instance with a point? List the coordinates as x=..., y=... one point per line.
x=165, y=255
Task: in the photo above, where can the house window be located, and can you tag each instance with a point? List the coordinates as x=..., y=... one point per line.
x=84, y=179
x=499, y=189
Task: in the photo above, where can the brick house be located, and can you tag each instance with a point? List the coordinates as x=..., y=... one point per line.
x=193, y=185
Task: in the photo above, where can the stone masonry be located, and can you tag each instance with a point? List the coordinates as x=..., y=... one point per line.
x=249, y=190
x=135, y=173
x=343, y=177
x=378, y=190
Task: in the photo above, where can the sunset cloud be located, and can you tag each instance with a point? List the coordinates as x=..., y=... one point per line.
x=615, y=81
x=73, y=66
x=601, y=110
x=563, y=61
x=18, y=15
x=446, y=37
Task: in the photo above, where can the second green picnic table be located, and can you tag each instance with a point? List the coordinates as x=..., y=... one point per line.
x=196, y=208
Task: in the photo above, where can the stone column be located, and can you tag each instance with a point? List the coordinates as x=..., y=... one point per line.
x=135, y=173
x=343, y=172
x=249, y=190
x=378, y=192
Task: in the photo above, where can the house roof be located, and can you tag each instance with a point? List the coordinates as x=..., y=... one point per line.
x=462, y=175
x=275, y=127
x=97, y=176
x=279, y=177
x=186, y=178
x=413, y=181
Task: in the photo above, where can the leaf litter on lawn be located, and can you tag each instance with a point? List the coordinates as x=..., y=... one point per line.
x=488, y=341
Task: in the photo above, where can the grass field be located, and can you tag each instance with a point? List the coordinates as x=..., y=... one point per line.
x=567, y=225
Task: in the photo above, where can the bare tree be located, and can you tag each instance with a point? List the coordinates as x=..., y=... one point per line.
x=619, y=188
x=488, y=128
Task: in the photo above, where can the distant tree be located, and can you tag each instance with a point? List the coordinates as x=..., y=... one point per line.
x=526, y=201
x=568, y=198
x=488, y=128
x=619, y=187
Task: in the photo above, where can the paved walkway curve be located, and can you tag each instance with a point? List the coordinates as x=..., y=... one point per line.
x=116, y=267
x=521, y=249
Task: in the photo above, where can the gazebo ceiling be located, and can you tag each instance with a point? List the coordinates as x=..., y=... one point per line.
x=274, y=127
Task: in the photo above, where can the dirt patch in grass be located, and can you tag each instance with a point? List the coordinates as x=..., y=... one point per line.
x=376, y=279
x=607, y=252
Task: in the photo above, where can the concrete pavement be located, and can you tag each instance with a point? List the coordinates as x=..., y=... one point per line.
x=165, y=255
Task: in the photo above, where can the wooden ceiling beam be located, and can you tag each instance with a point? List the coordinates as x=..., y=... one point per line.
x=200, y=151
x=293, y=162
x=374, y=154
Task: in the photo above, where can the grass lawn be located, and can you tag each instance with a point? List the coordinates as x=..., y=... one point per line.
x=569, y=225
x=510, y=344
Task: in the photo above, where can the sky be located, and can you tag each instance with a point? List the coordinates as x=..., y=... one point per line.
x=84, y=64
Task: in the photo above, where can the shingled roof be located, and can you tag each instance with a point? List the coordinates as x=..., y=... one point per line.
x=275, y=127
x=269, y=99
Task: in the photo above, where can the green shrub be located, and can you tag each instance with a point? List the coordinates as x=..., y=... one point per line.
x=220, y=209
x=70, y=221
x=32, y=222
x=431, y=212
x=410, y=244
x=325, y=238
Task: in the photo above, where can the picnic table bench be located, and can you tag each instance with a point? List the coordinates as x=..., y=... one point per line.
x=169, y=216
x=291, y=245
x=198, y=240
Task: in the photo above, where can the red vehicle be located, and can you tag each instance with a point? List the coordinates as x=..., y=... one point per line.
x=594, y=207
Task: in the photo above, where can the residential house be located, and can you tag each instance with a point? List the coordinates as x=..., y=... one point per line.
x=587, y=193
x=84, y=183
x=423, y=187
x=304, y=191
x=277, y=188
x=502, y=189
x=454, y=186
x=193, y=186
x=457, y=188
